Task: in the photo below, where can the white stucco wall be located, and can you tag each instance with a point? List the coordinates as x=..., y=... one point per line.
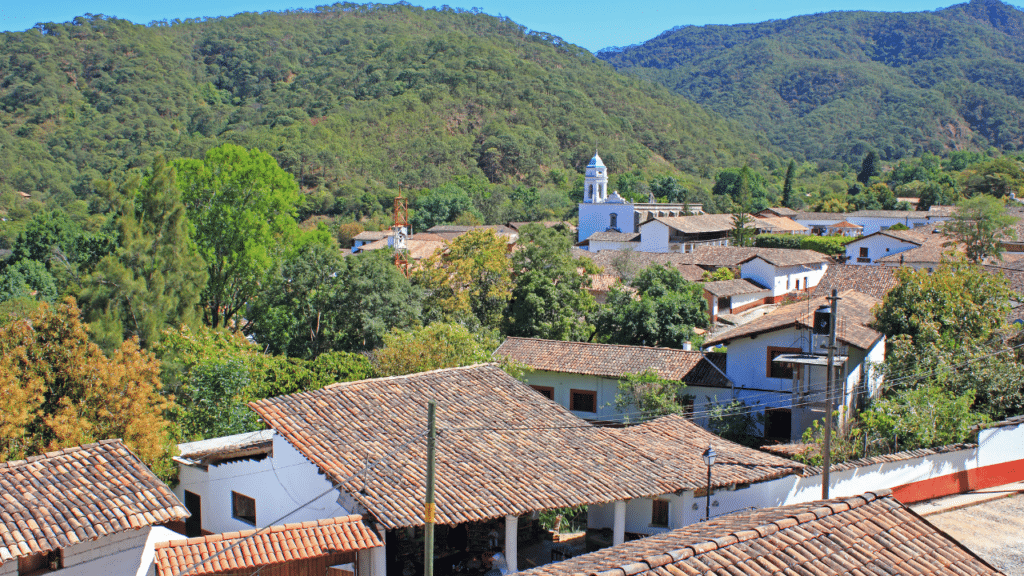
x=744, y=299
x=782, y=280
x=595, y=217
x=654, y=236
x=597, y=245
x=279, y=484
x=874, y=224
x=878, y=247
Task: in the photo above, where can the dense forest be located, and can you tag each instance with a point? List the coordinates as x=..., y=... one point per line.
x=356, y=101
x=833, y=86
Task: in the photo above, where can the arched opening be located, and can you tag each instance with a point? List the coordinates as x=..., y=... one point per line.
x=613, y=221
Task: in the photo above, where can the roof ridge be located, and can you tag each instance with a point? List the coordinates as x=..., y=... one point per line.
x=240, y=535
x=60, y=451
x=827, y=508
x=384, y=378
x=577, y=343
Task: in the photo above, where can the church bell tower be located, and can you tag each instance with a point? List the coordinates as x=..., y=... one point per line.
x=595, y=183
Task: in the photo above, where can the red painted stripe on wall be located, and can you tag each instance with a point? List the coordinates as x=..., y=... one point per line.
x=960, y=482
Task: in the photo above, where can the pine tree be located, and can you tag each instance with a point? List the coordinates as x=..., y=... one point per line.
x=154, y=279
x=787, y=186
x=869, y=167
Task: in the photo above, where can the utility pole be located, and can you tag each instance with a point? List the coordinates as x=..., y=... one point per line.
x=428, y=507
x=833, y=320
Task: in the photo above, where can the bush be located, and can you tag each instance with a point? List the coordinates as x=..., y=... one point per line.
x=828, y=245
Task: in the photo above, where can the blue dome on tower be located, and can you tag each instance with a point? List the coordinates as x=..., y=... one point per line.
x=595, y=162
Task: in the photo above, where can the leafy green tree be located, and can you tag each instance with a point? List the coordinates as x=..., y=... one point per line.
x=957, y=302
x=922, y=417
x=376, y=298
x=668, y=309
x=550, y=298
x=212, y=401
x=998, y=177
x=871, y=166
x=27, y=279
x=743, y=231
x=242, y=206
x=298, y=313
x=441, y=205
x=154, y=278
x=647, y=393
x=736, y=421
x=470, y=282
x=436, y=346
x=59, y=243
x=981, y=223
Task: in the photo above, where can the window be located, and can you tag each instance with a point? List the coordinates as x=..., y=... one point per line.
x=40, y=563
x=687, y=402
x=243, y=508
x=583, y=400
x=545, y=391
x=776, y=370
x=864, y=252
x=194, y=523
x=591, y=190
x=797, y=283
x=659, y=513
x=778, y=423
x=613, y=221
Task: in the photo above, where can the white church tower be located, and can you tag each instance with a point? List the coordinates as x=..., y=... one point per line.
x=595, y=187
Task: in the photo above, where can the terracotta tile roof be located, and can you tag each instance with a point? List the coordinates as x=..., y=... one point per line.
x=502, y=448
x=611, y=360
x=205, y=452
x=372, y=235
x=790, y=450
x=700, y=223
x=869, y=534
x=546, y=223
x=874, y=281
x=612, y=237
x=855, y=317
x=821, y=216
x=74, y=495
x=1012, y=421
x=418, y=249
x=781, y=211
x=779, y=224
x=941, y=210
x=737, y=287
x=499, y=229
x=932, y=250
x=1011, y=272
x=679, y=444
x=610, y=260
x=275, y=545
x=845, y=224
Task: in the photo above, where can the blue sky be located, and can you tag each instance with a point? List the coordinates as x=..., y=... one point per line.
x=592, y=24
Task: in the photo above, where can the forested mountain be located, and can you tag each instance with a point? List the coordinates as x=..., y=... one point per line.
x=834, y=85
x=354, y=100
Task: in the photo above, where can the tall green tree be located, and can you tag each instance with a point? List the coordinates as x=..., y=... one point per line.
x=668, y=309
x=375, y=298
x=650, y=395
x=981, y=223
x=743, y=231
x=154, y=278
x=438, y=345
x=788, y=200
x=871, y=166
x=243, y=207
x=550, y=299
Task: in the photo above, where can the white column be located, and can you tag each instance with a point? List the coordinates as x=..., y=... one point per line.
x=512, y=543
x=619, y=526
x=380, y=556
x=364, y=562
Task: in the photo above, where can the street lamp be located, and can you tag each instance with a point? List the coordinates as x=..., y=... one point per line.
x=709, y=459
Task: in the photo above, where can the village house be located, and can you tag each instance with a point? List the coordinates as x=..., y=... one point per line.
x=92, y=510
x=869, y=534
x=875, y=281
x=734, y=296
x=584, y=377
x=504, y=453
x=368, y=236
x=792, y=389
x=869, y=249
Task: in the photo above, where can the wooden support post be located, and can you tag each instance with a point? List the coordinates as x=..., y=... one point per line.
x=512, y=543
x=428, y=507
x=619, y=525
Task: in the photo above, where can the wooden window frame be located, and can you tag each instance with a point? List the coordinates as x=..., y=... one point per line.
x=572, y=400
x=660, y=510
x=776, y=351
x=545, y=391
x=237, y=497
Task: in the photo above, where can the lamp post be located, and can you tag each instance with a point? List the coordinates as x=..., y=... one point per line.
x=709, y=459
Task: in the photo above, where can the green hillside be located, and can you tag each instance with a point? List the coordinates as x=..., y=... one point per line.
x=834, y=85
x=355, y=100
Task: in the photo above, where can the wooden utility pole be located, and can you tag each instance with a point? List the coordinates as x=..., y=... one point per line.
x=428, y=507
x=833, y=320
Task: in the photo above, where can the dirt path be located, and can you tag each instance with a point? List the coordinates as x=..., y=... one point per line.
x=992, y=530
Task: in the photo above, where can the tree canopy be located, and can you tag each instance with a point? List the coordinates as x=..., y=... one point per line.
x=668, y=309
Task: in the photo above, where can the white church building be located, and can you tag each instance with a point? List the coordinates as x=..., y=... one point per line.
x=601, y=212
